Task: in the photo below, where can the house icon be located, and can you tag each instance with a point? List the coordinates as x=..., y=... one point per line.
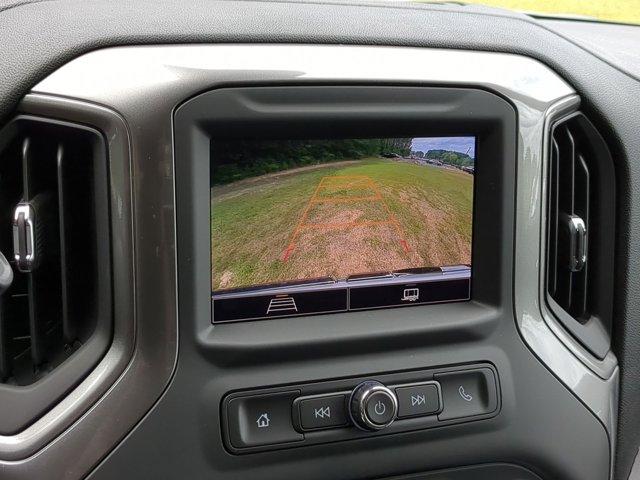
x=263, y=421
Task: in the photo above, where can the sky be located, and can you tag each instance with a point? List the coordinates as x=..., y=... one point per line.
x=456, y=144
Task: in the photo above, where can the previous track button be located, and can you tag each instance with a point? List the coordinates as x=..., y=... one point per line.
x=321, y=412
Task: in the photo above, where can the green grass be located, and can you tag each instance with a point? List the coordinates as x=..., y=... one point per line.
x=253, y=222
x=624, y=11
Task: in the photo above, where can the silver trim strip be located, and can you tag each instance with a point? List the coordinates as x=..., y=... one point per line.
x=145, y=84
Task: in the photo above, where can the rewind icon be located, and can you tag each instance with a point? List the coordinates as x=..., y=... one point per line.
x=323, y=412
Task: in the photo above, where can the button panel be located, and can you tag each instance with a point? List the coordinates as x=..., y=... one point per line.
x=316, y=413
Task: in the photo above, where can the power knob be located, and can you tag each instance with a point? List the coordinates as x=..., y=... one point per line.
x=373, y=406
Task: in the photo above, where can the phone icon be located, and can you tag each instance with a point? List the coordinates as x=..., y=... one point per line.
x=465, y=396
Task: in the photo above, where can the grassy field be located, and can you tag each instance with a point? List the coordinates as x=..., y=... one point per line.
x=624, y=11
x=339, y=219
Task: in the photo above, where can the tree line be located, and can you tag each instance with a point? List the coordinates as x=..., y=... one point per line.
x=450, y=157
x=233, y=160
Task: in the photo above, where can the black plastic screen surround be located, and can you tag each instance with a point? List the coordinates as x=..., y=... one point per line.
x=351, y=111
x=341, y=112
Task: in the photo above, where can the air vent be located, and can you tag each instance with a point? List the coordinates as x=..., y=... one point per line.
x=580, y=232
x=55, y=317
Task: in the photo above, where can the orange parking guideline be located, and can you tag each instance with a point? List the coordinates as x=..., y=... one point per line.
x=394, y=220
x=333, y=226
x=347, y=199
x=327, y=182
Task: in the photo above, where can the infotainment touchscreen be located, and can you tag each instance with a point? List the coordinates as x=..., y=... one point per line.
x=302, y=227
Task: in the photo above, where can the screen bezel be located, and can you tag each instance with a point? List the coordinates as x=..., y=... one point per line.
x=382, y=111
x=248, y=303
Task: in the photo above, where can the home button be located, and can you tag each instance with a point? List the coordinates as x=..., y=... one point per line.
x=262, y=420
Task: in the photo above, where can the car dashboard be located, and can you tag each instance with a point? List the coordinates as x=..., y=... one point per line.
x=148, y=356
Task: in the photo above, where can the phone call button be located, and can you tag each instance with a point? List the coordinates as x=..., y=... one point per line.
x=467, y=393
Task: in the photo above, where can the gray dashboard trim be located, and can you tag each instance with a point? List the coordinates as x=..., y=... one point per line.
x=531, y=236
x=145, y=84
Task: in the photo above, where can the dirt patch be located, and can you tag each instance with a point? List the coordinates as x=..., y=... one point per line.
x=343, y=252
x=226, y=279
x=348, y=212
x=324, y=215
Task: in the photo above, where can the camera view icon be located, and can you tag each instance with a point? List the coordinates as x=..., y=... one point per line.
x=410, y=294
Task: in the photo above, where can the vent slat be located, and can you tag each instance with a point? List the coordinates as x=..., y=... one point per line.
x=5, y=365
x=569, y=200
x=36, y=322
x=41, y=192
x=76, y=176
x=554, y=187
x=68, y=327
x=582, y=200
x=564, y=164
x=16, y=340
x=565, y=167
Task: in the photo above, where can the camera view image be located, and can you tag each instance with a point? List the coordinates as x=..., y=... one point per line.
x=292, y=210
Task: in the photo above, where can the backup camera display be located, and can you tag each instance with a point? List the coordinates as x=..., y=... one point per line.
x=312, y=226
